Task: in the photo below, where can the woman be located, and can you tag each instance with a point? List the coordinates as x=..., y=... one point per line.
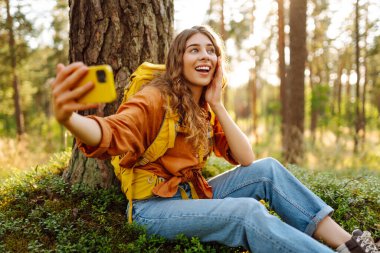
x=228, y=210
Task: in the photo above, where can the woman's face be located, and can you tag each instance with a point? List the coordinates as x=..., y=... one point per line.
x=199, y=61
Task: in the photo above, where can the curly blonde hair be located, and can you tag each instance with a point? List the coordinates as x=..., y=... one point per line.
x=193, y=116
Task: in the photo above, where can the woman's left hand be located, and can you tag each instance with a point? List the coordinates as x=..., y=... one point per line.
x=213, y=94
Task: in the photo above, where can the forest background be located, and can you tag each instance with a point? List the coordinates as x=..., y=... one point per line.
x=303, y=85
x=341, y=84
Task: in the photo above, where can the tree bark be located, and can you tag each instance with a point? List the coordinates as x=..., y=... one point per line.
x=122, y=34
x=348, y=103
x=16, y=89
x=313, y=110
x=357, y=93
x=365, y=65
x=282, y=70
x=338, y=98
x=294, y=144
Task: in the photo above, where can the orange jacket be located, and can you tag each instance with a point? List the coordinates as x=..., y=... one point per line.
x=134, y=127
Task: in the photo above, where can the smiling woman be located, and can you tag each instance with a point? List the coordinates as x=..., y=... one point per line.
x=200, y=62
x=180, y=200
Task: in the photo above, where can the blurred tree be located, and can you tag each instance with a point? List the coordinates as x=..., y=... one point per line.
x=123, y=35
x=318, y=61
x=374, y=73
x=15, y=31
x=343, y=63
x=358, y=120
x=60, y=27
x=59, y=54
x=15, y=80
x=282, y=69
x=367, y=30
x=252, y=81
x=296, y=81
x=361, y=31
x=36, y=61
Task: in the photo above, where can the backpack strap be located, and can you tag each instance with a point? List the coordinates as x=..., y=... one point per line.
x=212, y=115
x=164, y=140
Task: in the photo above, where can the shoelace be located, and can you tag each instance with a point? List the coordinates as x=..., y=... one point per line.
x=367, y=242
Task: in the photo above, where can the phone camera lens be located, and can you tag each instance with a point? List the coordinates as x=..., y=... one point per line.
x=101, y=76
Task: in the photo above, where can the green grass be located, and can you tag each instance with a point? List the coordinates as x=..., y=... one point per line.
x=353, y=194
x=39, y=212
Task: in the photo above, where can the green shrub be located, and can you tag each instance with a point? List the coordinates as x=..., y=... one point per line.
x=39, y=212
x=354, y=195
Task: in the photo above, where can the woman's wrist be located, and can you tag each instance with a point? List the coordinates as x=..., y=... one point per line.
x=68, y=121
x=85, y=129
x=217, y=107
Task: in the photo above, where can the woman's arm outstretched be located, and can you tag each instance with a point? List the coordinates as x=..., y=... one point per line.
x=65, y=102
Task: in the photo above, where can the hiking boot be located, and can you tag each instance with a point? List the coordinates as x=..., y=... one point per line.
x=361, y=242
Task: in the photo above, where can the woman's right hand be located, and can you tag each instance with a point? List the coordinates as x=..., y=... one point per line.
x=66, y=92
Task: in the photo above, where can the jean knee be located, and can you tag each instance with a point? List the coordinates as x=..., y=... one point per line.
x=272, y=162
x=267, y=167
x=252, y=209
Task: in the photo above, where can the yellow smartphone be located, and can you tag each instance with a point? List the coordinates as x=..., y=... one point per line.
x=104, y=89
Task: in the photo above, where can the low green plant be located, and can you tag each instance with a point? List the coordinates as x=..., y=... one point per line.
x=353, y=194
x=39, y=212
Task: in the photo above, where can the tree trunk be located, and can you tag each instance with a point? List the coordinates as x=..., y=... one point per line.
x=16, y=90
x=122, y=34
x=296, y=82
x=357, y=94
x=339, y=88
x=282, y=70
x=365, y=65
x=349, y=104
x=313, y=111
x=338, y=98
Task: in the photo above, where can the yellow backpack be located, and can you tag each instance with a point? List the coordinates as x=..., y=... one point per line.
x=138, y=184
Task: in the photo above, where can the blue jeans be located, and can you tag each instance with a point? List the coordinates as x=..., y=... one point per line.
x=235, y=217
